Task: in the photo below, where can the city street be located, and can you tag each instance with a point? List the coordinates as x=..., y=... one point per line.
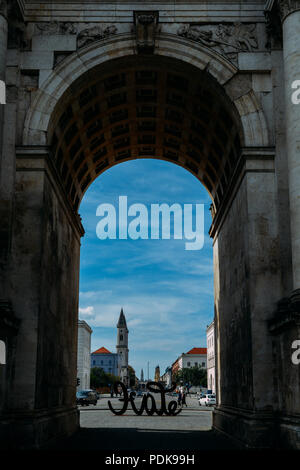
x=102, y=430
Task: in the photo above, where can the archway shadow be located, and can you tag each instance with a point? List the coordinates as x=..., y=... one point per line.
x=100, y=439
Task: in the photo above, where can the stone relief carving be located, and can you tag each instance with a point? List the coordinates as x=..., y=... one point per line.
x=225, y=39
x=146, y=27
x=86, y=36
x=56, y=27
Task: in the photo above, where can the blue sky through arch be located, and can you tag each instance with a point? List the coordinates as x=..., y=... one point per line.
x=166, y=291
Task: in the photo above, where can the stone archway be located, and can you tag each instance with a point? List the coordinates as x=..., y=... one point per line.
x=88, y=115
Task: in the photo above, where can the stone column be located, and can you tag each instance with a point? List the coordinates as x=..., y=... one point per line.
x=3, y=38
x=290, y=15
x=3, y=50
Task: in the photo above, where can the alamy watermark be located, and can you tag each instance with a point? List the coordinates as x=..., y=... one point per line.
x=296, y=354
x=2, y=92
x=296, y=94
x=186, y=220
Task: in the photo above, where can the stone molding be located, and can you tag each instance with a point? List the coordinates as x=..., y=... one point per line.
x=286, y=7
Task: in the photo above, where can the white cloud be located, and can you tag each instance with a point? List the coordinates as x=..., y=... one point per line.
x=87, y=311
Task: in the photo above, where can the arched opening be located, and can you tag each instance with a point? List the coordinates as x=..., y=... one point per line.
x=131, y=108
x=165, y=289
x=149, y=107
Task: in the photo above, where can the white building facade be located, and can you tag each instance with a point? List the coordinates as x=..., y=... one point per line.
x=83, y=355
x=210, y=337
x=196, y=357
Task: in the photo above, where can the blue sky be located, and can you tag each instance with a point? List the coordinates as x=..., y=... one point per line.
x=166, y=291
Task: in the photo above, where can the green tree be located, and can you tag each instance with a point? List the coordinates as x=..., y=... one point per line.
x=99, y=378
x=194, y=376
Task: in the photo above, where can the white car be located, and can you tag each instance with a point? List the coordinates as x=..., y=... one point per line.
x=208, y=400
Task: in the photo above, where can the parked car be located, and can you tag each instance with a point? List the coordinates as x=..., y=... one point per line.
x=208, y=400
x=139, y=393
x=86, y=397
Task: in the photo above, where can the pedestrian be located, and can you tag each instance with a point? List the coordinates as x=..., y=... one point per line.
x=179, y=398
x=184, y=399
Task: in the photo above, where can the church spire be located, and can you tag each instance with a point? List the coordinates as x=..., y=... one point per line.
x=122, y=320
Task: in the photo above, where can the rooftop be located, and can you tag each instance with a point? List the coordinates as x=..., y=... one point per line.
x=198, y=351
x=102, y=351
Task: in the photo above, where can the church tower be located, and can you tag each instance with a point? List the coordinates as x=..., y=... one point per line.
x=122, y=349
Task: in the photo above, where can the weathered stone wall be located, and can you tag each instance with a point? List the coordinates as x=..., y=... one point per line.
x=247, y=280
x=59, y=287
x=232, y=303
x=43, y=274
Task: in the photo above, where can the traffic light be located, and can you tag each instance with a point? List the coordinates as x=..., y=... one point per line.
x=78, y=381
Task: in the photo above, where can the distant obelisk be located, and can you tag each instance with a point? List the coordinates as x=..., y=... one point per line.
x=142, y=375
x=157, y=374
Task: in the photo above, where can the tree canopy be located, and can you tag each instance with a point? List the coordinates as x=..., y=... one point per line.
x=99, y=378
x=194, y=376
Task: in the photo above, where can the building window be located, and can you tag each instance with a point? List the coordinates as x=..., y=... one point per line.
x=94, y=362
x=196, y=363
x=101, y=363
x=203, y=364
x=121, y=337
x=188, y=364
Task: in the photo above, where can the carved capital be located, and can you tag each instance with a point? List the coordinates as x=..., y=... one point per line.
x=288, y=6
x=146, y=26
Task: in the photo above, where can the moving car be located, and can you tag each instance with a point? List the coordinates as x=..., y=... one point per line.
x=208, y=400
x=86, y=397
